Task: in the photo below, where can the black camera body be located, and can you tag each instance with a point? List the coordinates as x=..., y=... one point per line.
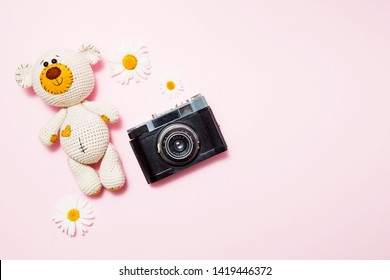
x=177, y=139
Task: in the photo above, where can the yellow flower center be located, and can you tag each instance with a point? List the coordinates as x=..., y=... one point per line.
x=73, y=215
x=129, y=62
x=170, y=85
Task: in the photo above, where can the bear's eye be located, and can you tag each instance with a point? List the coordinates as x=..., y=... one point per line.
x=46, y=64
x=54, y=60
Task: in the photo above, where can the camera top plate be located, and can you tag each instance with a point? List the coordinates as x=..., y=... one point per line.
x=190, y=106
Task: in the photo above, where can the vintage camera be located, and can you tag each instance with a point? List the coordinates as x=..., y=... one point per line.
x=177, y=139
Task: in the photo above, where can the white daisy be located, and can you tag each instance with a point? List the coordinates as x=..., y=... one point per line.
x=74, y=214
x=130, y=62
x=171, y=86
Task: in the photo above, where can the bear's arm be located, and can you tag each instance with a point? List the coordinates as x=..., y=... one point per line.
x=49, y=133
x=106, y=111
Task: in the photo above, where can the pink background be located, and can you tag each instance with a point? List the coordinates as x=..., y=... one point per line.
x=301, y=90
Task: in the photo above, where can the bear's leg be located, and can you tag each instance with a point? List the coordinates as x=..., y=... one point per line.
x=86, y=177
x=111, y=171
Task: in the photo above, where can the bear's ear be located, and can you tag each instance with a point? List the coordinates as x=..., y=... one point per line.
x=91, y=53
x=23, y=75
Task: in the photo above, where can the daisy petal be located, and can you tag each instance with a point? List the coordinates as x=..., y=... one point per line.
x=59, y=218
x=128, y=76
x=81, y=203
x=85, y=211
x=61, y=225
x=136, y=78
x=72, y=229
x=87, y=216
x=81, y=227
x=66, y=225
x=86, y=222
x=141, y=74
x=117, y=68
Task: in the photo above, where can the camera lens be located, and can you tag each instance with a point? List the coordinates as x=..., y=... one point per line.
x=178, y=144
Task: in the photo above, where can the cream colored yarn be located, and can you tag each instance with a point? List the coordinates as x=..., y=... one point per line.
x=64, y=78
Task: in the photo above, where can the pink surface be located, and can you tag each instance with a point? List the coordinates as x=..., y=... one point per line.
x=301, y=91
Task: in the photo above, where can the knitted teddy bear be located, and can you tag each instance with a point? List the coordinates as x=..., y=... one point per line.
x=64, y=78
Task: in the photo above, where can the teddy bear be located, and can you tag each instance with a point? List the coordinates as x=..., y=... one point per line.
x=64, y=78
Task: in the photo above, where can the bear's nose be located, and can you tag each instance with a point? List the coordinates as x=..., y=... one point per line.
x=53, y=73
